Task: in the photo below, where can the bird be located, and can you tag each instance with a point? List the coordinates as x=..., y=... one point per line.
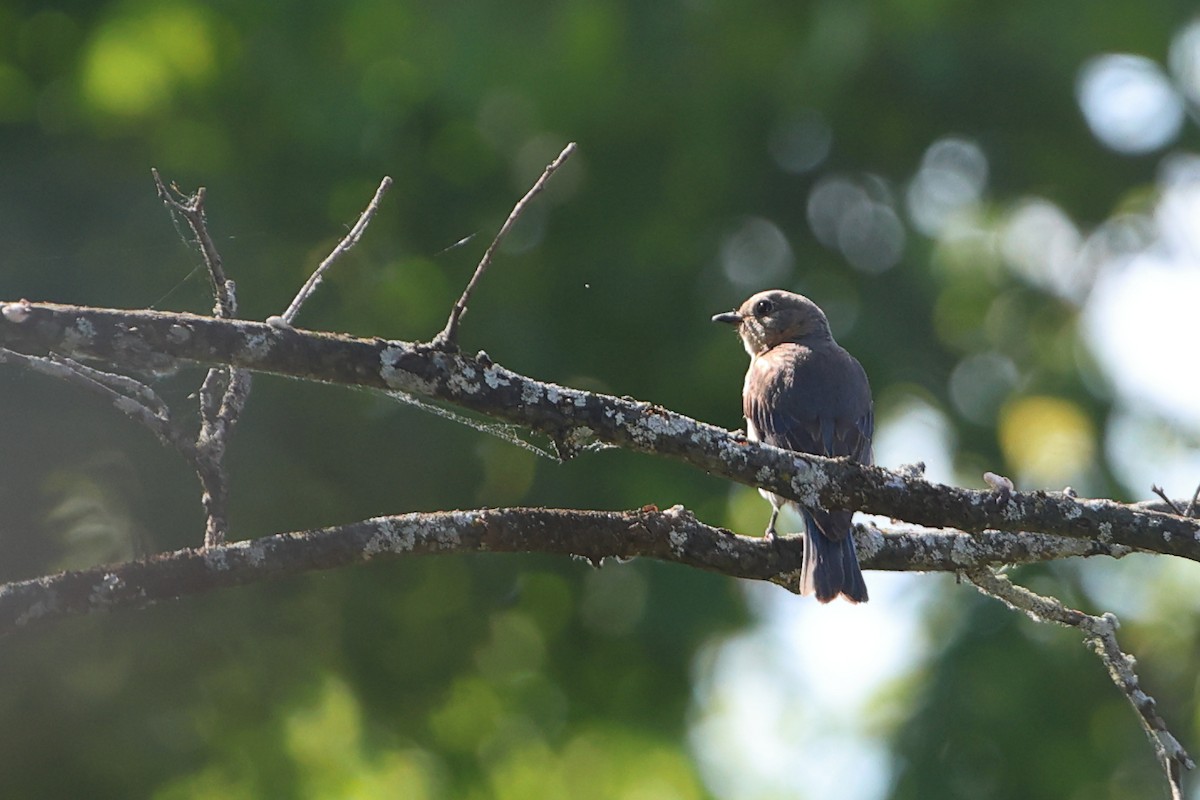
x=803, y=392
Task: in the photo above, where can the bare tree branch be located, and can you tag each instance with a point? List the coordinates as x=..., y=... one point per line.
x=132, y=398
x=1101, y=633
x=1170, y=504
x=448, y=338
x=574, y=419
x=191, y=208
x=225, y=390
x=343, y=247
x=674, y=535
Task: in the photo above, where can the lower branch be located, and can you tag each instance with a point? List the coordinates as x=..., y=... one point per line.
x=674, y=535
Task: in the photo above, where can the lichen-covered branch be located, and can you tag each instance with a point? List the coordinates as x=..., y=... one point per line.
x=674, y=535
x=574, y=419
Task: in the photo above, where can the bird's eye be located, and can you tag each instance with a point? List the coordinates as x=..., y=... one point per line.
x=763, y=307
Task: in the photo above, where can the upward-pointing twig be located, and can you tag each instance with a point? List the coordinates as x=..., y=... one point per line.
x=448, y=338
x=348, y=241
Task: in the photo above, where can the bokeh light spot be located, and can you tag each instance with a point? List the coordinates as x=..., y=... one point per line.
x=980, y=383
x=1042, y=244
x=856, y=218
x=911, y=429
x=756, y=254
x=134, y=64
x=515, y=648
x=468, y=716
x=1129, y=103
x=1048, y=440
x=1178, y=212
x=801, y=142
x=952, y=178
x=1184, y=60
x=507, y=472
x=1141, y=324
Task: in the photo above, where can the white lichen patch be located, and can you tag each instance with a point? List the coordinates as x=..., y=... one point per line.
x=399, y=379
x=552, y=393
x=448, y=536
x=616, y=416
x=390, y=356
x=216, y=559
x=672, y=426
x=649, y=428
x=868, y=540
x=678, y=541
x=390, y=537
x=102, y=594
x=963, y=551
x=252, y=551
x=81, y=334
x=464, y=382
x=808, y=484
x=495, y=377
x=531, y=393
x=1073, y=512
x=579, y=437
x=732, y=452
x=1106, y=532
x=256, y=346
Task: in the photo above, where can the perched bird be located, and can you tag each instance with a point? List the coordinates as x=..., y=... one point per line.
x=803, y=392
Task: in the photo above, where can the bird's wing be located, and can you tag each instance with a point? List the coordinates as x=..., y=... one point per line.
x=811, y=401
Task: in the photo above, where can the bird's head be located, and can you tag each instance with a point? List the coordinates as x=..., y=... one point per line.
x=774, y=317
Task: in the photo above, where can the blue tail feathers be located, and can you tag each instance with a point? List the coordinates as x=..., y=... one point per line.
x=830, y=566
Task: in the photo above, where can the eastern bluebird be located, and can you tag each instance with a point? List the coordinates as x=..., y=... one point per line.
x=803, y=392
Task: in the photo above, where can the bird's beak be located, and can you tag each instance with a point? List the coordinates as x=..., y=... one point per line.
x=729, y=317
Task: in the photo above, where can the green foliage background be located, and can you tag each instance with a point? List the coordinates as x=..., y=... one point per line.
x=498, y=676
